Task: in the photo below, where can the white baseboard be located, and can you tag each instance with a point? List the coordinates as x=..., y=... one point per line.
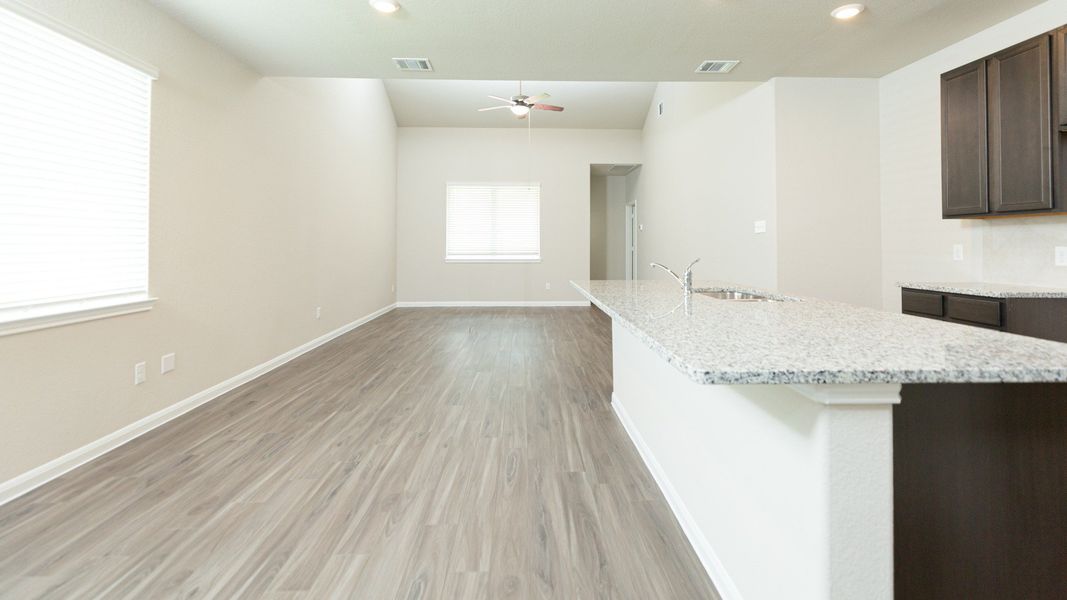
x=716, y=571
x=13, y=488
x=490, y=303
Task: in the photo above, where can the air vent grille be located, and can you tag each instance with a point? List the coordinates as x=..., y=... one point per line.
x=717, y=66
x=413, y=64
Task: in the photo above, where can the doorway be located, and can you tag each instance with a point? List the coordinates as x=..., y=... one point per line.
x=612, y=220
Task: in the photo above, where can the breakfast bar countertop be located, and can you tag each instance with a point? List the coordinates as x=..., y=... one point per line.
x=812, y=341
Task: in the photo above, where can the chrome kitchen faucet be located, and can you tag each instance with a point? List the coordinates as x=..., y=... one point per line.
x=686, y=280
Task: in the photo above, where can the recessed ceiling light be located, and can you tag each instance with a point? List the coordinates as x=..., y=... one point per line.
x=385, y=6
x=847, y=11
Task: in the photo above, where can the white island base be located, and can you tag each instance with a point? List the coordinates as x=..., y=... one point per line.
x=785, y=491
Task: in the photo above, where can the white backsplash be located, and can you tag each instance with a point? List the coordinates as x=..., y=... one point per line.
x=1022, y=250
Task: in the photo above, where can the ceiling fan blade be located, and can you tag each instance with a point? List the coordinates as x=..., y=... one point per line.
x=538, y=98
x=492, y=108
x=548, y=107
x=508, y=100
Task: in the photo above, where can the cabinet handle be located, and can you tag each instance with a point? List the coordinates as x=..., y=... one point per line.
x=1063, y=128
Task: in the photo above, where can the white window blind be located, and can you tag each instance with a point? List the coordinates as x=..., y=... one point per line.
x=493, y=222
x=74, y=159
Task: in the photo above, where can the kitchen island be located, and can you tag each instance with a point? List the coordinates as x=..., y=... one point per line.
x=769, y=425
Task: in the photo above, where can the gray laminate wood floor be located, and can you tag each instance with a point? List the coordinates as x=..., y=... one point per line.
x=432, y=453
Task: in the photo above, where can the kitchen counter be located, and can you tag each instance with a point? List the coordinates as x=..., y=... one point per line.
x=810, y=341
x=988, y=290
x=835, y=430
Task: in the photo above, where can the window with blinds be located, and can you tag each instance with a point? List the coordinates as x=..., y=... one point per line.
x=488, y=222
x=74, y=158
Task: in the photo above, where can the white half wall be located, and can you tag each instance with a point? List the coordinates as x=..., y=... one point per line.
x=783, y=492
x=269, y=198
x=559, y=159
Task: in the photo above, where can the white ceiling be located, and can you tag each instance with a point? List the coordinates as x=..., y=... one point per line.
x=589, y=105
x=586, y=40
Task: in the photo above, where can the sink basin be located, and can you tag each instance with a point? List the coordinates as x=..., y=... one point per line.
x=732, y=295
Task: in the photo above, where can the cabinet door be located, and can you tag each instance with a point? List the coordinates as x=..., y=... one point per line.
x=1020, y=148
x=1059, y=118
x=964, y=158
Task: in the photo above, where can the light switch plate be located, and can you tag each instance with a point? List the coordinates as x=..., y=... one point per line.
x=166, y=364
x=957, y=252
x=759, y=227
x=139, y=374
x=1061, y=256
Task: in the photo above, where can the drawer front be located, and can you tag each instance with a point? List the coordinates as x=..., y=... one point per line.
x=974, y=310
x=923, y=303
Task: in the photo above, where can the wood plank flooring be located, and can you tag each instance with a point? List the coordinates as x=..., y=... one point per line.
x=431, y=453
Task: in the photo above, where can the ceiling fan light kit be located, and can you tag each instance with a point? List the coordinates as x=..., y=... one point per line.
x=521, y=105
x=385, y=6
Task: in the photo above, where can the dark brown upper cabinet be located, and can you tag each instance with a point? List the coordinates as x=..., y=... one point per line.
x=1002, y=151
x=1020, y=105
x=964, y=152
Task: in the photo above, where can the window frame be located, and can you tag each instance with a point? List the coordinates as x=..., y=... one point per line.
x=488, y=259
x=32, y=317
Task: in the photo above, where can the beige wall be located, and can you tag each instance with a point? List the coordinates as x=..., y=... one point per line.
x=800, y=154
x=917, y=243
x=615, y=221
x=269, y=197
x=598, y=224
x=829, y=238
x=559, y=159
x=707, y=174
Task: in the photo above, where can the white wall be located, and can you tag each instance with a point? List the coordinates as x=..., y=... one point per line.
x=269, y=197
x=559, y=159
x=829, y=238
x=708, y=172
x=800, y=154
x=598, y=225
x=917, y=243
x=615, y=238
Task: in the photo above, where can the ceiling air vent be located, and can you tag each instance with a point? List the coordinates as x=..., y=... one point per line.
x=717, y=66
x=413, y=64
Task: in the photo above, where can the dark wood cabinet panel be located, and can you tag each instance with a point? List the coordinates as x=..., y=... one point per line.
x=1019, y=129
x=1059, y=117
x=923, y=303
x=978, y=311
x=964, y=157
x=980, y=491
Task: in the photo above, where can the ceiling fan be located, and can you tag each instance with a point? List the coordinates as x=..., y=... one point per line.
x=521, y=105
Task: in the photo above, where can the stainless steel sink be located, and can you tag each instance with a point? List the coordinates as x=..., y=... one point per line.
x=732, y=295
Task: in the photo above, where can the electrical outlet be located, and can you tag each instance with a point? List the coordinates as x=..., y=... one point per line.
x=1061, y=256
x=139, y=373
x=759, y=227
x=548, y=285
x=957, y=252
x=392, y=288
x=166, y=364
x=318, y=312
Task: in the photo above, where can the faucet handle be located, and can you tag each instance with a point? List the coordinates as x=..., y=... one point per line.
x=690, y=267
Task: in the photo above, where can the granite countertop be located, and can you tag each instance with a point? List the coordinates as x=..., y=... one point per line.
x=809, y=341
x=989, y=290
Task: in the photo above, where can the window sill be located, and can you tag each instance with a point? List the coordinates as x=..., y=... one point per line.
x=492, y=261
x=75, y=314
